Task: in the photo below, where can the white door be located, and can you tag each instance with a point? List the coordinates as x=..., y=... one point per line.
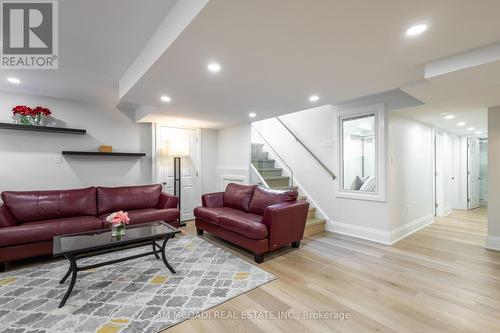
x=474, y=178
x=165, y=166
x=438, y=175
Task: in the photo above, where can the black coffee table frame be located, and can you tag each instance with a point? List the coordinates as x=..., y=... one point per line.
x=73, y=256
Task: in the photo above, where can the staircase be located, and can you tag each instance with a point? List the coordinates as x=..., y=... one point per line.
x=276, y=180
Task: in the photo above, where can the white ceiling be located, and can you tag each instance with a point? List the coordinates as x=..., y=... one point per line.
x=274, y=54
x=99, y=39
x=467, y=94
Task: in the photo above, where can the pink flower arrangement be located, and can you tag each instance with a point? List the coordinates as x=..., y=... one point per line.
x=118, y=218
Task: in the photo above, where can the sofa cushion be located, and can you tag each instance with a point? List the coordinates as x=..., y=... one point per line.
x=243, y=226
x=263, y=197
x=148, y=215
x=212, y=215
x=40, y=231
x=29, y=206
x=238, y=196
x=126, y=198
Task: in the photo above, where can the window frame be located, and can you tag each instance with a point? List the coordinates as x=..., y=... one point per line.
x=378, y=111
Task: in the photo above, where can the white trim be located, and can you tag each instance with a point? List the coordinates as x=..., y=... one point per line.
x=380, y=149
x=447, y=211
x=409, y=228
x=380, y=236
x=371, y=234
x=261, y=179
x=311, y=200
x=236, y=178
x=493, y=243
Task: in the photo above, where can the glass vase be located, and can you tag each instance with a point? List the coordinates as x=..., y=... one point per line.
x=118, y=230
x=37, y=120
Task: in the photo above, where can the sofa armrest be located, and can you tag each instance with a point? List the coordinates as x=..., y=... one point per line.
x=167, y=201
x=6, y=218
x=285, y=222
x=213, y=200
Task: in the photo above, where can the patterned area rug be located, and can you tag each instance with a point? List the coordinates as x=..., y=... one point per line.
x=134, y=296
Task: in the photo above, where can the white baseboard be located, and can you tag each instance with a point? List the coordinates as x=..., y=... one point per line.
x=410, y=227
x=379, y=236
x=371, y=234
x=493, y=243
x=447, y=211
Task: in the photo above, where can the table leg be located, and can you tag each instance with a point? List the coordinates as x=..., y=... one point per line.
x=154, y=249
x=74, y=271
x=163, y=255
x=66, y=275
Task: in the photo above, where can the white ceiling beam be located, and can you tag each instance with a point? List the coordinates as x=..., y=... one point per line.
x=171, y=27
x=463, y=60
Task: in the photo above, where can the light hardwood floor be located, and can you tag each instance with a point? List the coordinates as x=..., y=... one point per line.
x=440, y=279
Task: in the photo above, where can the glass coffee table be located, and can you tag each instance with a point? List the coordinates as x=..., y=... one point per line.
x=94, y=243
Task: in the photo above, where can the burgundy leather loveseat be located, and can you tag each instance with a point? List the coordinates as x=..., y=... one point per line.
x=255, y=218
x=30, y=220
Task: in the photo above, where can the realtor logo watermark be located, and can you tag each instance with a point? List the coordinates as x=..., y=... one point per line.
x=29, y=34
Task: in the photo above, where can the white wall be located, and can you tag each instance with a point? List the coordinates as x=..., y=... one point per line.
x=409, y=172
x=316, y=127
x=410, y=169
x=493, y=239
x=28, y=159
x=233, y=155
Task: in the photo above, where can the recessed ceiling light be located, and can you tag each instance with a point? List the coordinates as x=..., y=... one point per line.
x=252, y=114
x=462, y=123
x=165, y=98
x=214, y=67
x=416, y=30
x=13, y=80
x=471, y=128
x=313, y=98
x=450, y=116
x=479, y=132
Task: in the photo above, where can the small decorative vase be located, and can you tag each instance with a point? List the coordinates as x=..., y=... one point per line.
x=118, y=230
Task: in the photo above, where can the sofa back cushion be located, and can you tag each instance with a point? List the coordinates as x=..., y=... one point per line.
x=29, y=206
x=112, y=199
x=238, y=196
x=263, y=197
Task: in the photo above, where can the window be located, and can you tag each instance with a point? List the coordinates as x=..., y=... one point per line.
x=362, y=153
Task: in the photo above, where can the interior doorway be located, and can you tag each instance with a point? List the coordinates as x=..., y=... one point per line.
x=473, y=173
x=187, y=140
x=438, y=174
x=483, y=171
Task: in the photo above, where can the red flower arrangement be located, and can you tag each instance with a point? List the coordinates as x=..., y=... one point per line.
x=27, y=111
x=28, y=116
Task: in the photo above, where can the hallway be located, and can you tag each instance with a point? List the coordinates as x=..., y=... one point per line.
x=440, y=279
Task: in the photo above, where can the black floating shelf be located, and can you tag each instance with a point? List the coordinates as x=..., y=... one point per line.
x=98, y=153
x=46, y=129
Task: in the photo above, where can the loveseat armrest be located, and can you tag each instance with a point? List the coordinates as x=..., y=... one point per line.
x=167, y=201
x=213, y=200
x=6, y=218
x=285, y=222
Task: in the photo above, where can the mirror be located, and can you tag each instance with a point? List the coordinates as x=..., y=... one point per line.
x=359, y=153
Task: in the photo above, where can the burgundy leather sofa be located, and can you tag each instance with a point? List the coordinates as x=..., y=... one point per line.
x=255, y=218
x=30, y=220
